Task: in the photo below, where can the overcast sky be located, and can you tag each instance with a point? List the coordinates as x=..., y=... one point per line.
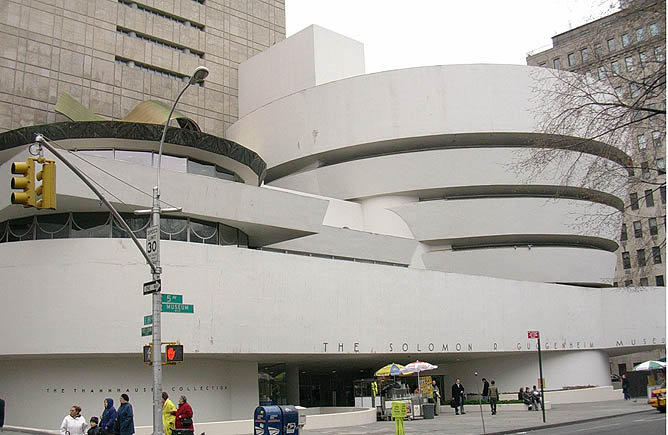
x=401, y=33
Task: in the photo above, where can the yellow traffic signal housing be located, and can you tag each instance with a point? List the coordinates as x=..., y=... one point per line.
x=47, y=190
x=26, y=182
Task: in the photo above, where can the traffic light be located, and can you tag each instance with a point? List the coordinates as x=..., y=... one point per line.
x=26, y=182
x=148, y=354
x=173, y=353
x=47, y=190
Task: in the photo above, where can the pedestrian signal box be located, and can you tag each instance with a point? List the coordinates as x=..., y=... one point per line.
x=148, y=354
x=173, y=353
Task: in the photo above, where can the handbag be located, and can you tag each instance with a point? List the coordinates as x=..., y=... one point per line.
x=187, y=421
x=453, y=404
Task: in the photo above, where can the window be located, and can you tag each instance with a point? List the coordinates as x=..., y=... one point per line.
x=656, y=254
x=619, y=92
x=626, y=260
x=556, y=63
x=629, y=64
x=653, y=29
x=640, y=34
x=658, y=54
x=626, y=40
x=642, y=142
x=637, y=229
x=661, y=165
x=644, y=282
x=659, y=281
x=643, y=58
x=644, y=167
x=601, y=72
x=635, y=89
x=542, y=64
x=615, y=67
x=598, y=50
x=612, y=45
x=624, y=236
x=571, y=59
x=642, y=260
x=628, y=283
x=649, y=198
x=589, y=76
x=634, y=201
x=585, y=54
x=656, y=138
x=662, y=189
x=653, y=227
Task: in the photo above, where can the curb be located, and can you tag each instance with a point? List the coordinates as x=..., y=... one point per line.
x=565, y=423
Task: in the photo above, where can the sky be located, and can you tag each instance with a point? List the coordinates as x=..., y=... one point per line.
x=402, y=34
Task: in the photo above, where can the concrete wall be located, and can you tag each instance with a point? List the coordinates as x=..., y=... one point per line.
x=47, y=388
x=314, y=56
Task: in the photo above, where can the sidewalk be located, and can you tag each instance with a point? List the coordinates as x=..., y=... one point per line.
x=469, y=424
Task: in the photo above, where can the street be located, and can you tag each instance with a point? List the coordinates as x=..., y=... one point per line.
x=634, y=424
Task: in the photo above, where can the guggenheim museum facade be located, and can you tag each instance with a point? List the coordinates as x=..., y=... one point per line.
x=346, y=221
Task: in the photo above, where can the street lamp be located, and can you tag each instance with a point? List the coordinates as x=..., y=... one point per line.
x=198, y=76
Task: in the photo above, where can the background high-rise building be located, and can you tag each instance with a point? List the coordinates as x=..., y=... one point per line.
x=111, y=55
x=621, y=49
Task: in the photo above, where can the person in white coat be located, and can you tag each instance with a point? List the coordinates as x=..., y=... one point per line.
x=74, y=424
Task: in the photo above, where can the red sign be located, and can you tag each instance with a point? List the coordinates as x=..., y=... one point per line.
x=532, y=334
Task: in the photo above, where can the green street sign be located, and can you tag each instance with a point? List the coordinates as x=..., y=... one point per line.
x=178, y=308
x=148, y=320
x=172, y=299
x=147, y=330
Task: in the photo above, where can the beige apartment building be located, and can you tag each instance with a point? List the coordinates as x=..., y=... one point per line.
x=620, y=49
x=110, y=55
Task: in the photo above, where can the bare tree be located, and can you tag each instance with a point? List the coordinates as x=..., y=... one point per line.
x=604, y=121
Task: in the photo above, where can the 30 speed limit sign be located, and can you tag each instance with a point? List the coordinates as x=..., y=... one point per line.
x=152, y=246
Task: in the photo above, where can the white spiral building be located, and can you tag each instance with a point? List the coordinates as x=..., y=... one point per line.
x=387, y=225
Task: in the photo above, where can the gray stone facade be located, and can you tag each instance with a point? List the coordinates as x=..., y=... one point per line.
x=617, y=48
x=110, y=55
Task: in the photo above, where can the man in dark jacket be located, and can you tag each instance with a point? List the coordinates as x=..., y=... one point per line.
x=108, y=417
x=485, y=390
x=458, y=396
x=125, y=417
x=625, y=387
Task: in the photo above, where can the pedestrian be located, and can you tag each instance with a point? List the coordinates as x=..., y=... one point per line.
x=536, y=398
x=74, y=423
x=625, y=387
x=94, y=428
x=168, y=419
x=493, y=397
x=125, y=418
x=458, y=396
x=528, y=398
x=485, y=390
x=436, y=397
x=520, y=394
x=108, y=417
x=184, y=415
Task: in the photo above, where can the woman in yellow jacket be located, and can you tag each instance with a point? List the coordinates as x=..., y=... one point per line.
x=168, y=420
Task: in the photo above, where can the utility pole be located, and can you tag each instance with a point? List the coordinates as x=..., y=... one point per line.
x=152, y=251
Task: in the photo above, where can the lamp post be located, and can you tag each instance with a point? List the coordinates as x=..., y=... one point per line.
x=480, y=402
x=198, y=76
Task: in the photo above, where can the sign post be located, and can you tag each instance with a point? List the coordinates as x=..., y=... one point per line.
x=536, y=334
